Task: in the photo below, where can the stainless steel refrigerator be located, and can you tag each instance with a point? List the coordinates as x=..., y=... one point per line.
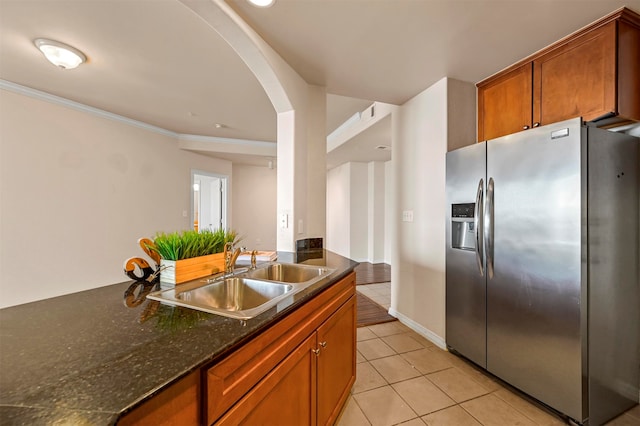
x=542, y=275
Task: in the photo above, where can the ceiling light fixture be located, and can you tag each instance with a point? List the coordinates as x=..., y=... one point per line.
x=262, y=3
x=60, y=54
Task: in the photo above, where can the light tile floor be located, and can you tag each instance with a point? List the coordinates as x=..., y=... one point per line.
x=402, y=378
x=379, y=293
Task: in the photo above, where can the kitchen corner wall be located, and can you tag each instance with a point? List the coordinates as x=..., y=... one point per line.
x=424, y=128
x=254, y=206
x=77, y=191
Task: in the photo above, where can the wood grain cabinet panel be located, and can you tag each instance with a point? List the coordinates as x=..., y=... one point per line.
x=178, y=405
x=287, y=396
x=578, y=79
x=271, y=379
x=310, y=385
x=336, y=362
x=504, y=104
x=593, y=74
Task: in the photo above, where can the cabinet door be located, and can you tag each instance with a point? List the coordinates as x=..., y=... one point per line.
x=577, y=79
x=286, y=396
x=505, y=104
x=336, y=361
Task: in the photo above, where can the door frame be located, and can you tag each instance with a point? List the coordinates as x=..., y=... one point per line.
x=224, y=198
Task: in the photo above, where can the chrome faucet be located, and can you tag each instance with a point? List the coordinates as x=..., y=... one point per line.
x=230, y=257
x=254, y=253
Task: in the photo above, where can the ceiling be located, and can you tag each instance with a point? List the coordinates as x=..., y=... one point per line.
x=157, y=62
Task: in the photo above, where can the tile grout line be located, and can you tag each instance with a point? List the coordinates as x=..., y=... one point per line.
x=424, y=375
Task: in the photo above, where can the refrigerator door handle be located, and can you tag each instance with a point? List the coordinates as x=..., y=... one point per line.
x=488, y=227
x=479, y=225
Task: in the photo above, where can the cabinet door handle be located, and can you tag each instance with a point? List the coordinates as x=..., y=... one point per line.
x=525, y=127
x=323, y=344
x=316, y=351
x=536, y=124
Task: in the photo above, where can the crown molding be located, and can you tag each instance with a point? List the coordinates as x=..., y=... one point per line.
x=244, y=142
x=58, y=100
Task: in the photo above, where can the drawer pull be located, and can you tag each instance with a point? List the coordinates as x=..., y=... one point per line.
x=525, y=127
x=536, y=124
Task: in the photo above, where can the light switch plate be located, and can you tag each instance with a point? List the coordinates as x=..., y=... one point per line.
x=407, y=215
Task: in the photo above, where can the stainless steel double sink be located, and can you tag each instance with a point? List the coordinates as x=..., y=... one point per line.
x=247, y=293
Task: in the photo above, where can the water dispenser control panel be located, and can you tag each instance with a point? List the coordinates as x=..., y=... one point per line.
x=465, y=210
x=463, y=226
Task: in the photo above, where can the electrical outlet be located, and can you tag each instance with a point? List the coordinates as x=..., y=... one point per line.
x=407, y=215
x=284, y=221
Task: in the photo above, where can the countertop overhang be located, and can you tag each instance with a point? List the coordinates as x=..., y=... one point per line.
x=88, y=358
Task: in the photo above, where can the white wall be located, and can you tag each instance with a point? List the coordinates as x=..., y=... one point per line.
x=356, y=212
x=254, y=206
x=422, y=129
x=388, y=210
x=376, y=211
x=76, y=193
x=338, y=210
x=359, y=212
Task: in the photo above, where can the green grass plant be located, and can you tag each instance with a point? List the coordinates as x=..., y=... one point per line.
x=192, y=243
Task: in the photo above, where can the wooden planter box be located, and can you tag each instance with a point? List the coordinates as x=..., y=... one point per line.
x=181, y=271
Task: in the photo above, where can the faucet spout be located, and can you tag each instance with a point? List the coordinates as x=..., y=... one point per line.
x=254, y=253
x=234, y=258
x=230, y=258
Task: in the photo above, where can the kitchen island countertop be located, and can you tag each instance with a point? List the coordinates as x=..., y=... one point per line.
x=89, y=357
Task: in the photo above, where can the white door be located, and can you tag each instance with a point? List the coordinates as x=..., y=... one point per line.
x=209, y=201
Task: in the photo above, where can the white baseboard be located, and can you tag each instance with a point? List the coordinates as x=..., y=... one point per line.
x=424, y=332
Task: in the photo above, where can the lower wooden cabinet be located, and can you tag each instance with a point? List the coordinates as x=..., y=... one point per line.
x=336, y=361
x=311, y=384
x=299, y=371
x=178, y=405
x=287, y=396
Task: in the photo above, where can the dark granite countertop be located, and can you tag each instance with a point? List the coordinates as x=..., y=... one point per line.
x=87, y=358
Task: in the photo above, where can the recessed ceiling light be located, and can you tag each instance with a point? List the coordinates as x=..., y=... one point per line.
x=262, y=3
x=60, y=54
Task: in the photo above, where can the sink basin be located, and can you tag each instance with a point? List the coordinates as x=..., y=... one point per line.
x=289, y=273
x=235, y=297
x=246, y=294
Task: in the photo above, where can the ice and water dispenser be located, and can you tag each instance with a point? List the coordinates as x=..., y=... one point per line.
x=463, y=235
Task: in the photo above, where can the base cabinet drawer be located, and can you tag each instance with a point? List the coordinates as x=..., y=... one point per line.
x=285, y=397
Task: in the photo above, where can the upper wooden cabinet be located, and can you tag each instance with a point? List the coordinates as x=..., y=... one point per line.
x=504, y=105
x=594, y=73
